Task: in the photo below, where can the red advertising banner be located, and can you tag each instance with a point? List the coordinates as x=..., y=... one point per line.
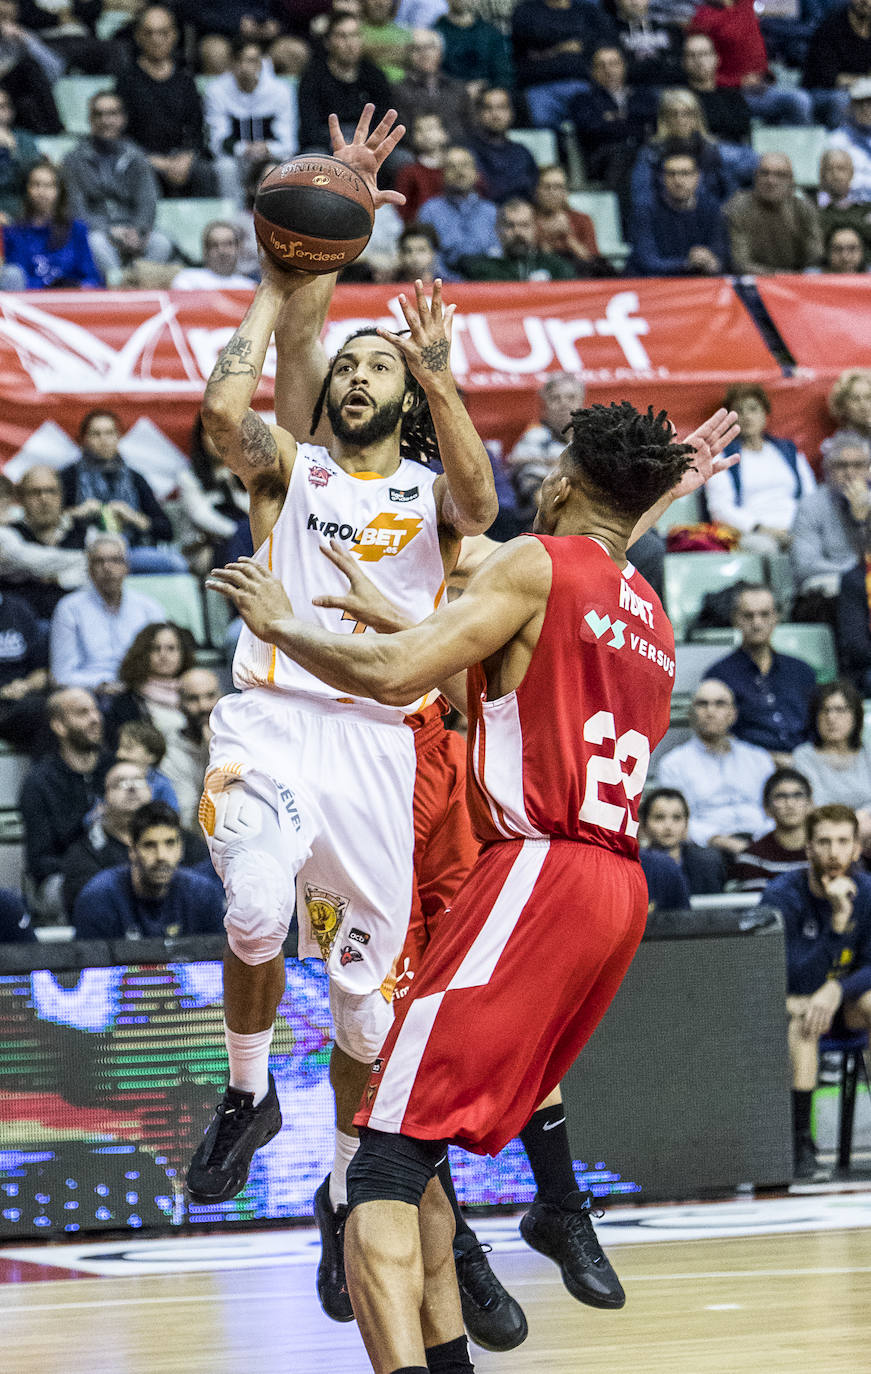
x=147, y=354
x=824, y=321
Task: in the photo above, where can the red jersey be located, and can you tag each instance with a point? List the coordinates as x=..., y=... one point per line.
x=566, y=754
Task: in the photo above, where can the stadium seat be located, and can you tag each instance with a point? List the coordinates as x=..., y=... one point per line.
x=686, y=510
x=689, y=576
x=814, y=643
x=11, y=849
x=184, y=220
x=803, y=146
x=180, y=596
x=604, y=210
x=56, y=146
x=540, y=142
x=72, y=93
x=12, y=770
x=691, y=662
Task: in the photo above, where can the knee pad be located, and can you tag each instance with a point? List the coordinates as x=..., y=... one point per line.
x=228, y=812
x=392, y=1168
x=360, y=1021
x=259, y=903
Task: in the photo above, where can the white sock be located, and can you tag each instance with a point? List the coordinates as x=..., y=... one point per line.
x=249, y=1061
x=346, y=1148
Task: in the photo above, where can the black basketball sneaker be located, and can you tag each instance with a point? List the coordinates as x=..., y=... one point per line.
x=220, y=1166
x=493, y=1319
x=564, y=1232
x=331, y=1284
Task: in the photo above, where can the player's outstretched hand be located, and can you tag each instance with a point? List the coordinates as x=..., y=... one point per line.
x=259, y=597
x=709, y=440
x=427, y=346
x=362, y=602
x=368, y=151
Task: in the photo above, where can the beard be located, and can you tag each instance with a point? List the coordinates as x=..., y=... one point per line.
x=82, y=740
x=382, y=423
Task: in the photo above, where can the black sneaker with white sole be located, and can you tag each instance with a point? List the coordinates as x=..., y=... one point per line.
x=331, y=1283
x=493, y=1319
x=221, y=1164
x=564, y=1232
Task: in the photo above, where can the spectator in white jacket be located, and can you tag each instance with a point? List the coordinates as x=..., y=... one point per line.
x=759, y=496
x=221, y=246
x=251, y=115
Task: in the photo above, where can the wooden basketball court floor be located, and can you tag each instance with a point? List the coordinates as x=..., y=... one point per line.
x=776, y=1303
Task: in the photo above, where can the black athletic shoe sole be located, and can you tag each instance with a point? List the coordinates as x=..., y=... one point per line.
x=331, y=1287
x=235, y=1180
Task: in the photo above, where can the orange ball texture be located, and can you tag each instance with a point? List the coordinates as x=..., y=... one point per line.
x=313, y=214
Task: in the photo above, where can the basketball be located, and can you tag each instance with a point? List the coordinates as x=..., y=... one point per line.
x=314, y=214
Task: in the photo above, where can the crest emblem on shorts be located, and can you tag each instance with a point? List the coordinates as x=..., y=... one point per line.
x=326, y=911
x=370, y=1094
x=318, y=476
x=349, y=956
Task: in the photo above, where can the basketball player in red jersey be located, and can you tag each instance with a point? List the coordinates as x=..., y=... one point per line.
x=571, y=662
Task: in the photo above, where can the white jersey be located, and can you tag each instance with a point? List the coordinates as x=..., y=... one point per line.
x=389, y=523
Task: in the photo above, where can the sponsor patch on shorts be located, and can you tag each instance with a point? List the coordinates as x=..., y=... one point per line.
x=350, y=956
x=361, y=936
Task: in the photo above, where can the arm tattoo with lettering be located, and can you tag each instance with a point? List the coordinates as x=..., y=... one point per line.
x=233, y=360
x=257, y=443
x=434, y=356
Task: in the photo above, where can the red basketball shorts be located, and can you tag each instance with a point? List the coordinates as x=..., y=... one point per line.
x=512, y=987
x=444, y=846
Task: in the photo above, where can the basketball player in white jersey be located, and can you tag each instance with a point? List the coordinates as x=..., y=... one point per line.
x=308, y=797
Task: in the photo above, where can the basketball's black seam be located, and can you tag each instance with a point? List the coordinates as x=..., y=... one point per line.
x=320, y=204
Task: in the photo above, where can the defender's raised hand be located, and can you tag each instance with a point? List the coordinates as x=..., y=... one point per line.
x=427, y=346
x=709, y=440
x=367, y=151
x=259, y=597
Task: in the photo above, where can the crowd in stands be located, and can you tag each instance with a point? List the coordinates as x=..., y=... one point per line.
x=656, y=101
x=768, y=791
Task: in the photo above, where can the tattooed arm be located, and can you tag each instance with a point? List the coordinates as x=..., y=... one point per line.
x=465, y=493
x=260, y=454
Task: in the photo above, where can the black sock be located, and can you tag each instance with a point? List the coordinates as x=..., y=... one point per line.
x=801, y=1112
x=450, y=1358
x=462, y=1226
x=546, y=1142
x=412, y=1369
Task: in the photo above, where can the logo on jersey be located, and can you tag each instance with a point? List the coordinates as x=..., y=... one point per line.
x=405, y=975
x=601, y=624
x=630, y=601
x=399, y=496
x=384, y=537
x=318, y=476
x=361, y=936
x=370, y=1094
x=326, y=911
x=349, y=956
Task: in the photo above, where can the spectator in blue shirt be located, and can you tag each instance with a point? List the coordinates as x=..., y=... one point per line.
x=151, y=896
x=826, y=911
x=664, y=814
x=773, y=692
x=23, y=677
x=91, y=629
x=508, y=168
x=666, y=885
x=464, y=221
x=680, y=231
x=46, y=246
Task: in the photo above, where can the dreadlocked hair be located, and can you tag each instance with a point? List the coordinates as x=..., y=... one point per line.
x=417, y=436
x=631, y=458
